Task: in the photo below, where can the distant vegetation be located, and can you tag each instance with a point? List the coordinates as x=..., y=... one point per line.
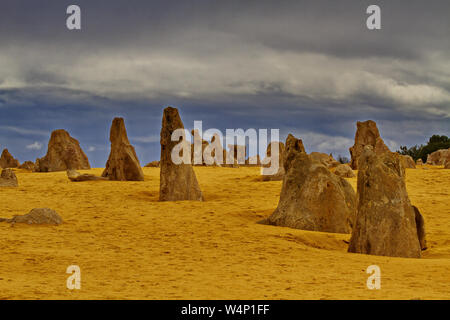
x=342, y=159
x=435, y=143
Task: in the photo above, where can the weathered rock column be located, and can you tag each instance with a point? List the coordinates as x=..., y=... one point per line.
x=123, y=163
x=385, y=222
x=177, y=181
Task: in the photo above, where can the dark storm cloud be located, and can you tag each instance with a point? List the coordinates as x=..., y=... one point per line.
x=308, y=67
x=331, y=27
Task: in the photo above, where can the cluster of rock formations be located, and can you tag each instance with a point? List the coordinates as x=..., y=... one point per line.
x=215, y=148
x=229, y=160
x=380, y=217
x=28, y=165
x=438, y=158
x=267, y=170
x=123, y=163
x=238, y=152
x=63, y=153
x=268, y=174
x=253, y=161
x=312, y=197
x=197, y=153
x=153, y=164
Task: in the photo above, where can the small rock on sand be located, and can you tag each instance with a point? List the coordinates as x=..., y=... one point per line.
x=8, y=178
x=36, y=216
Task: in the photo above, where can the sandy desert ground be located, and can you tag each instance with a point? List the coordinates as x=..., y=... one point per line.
x=131, y=246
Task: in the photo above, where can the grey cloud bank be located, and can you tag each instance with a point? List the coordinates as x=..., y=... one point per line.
x=307, y=67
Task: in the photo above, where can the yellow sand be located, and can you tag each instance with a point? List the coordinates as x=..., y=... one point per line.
x=130, y=246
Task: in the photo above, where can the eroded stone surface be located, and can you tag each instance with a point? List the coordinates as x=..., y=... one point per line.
x=386, y=221
x=344, y=171
x=177, y=181
x=312, y=198
x=420, y=226
x=8, y=178
x=367, y=134
x=326, y=159
x=408, y=162
x=439, y=157
x=7, y=160
x=64, y=152
x=28, y=165
x=123, y=163
x=75, y=176
x=37, y=216
x=153, y=164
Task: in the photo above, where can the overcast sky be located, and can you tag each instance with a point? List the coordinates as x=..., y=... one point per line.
x=310, y=68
